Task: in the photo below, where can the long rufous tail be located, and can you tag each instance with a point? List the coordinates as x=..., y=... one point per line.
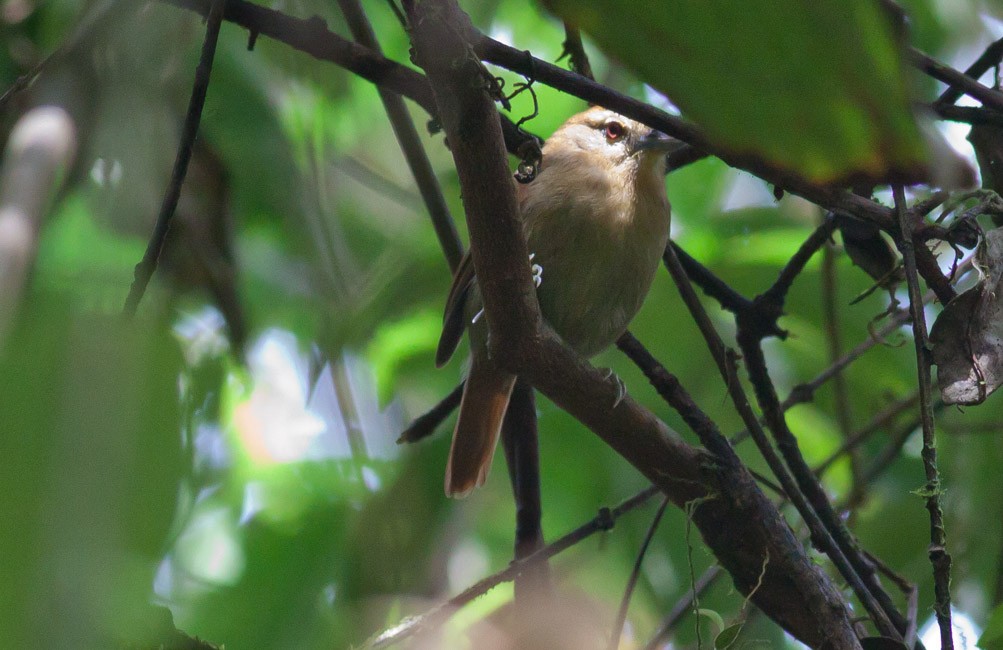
x=485, y=399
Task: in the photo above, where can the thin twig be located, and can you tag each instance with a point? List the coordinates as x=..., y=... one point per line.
x=939, y=557
x=409, y=141
x=897, y=439
x=311, y=35
x=989, y=58
x=713, y=286
x=853, y=440
x=835, y=540
x=827, y=531
x=672, y=391
x=93, y=17
x=956, y=79
x=969, y=115
x=520, y=442
x=437, y=615
x=684, y=605
x=398, y=13
x=726, y=363
x=841, y=400
x=575, y=51
x=910, y=589
x=146, y=267
x=794, y=266
x=804, y=392
x=425, y=425
x=621, y=617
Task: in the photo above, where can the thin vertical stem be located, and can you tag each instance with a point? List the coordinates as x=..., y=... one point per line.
x=200, y=87
x=621, y=617
x=939, y=557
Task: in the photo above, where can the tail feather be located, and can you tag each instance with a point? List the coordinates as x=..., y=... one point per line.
x=485, y=399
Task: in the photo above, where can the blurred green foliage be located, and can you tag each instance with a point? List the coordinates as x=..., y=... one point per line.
x=819, y=89
x=262, y=499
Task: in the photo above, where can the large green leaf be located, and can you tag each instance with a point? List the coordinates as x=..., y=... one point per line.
x=817, y=88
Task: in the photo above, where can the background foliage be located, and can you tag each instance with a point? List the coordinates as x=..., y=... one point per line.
x=266, y=503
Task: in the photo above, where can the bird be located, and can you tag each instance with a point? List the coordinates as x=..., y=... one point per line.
x=596, y=220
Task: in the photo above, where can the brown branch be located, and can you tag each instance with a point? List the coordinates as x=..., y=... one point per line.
x=939, y=556
x=672, y=391
x=989, y=58
x=312, y=37
x=989, y=97
x=725, y=360
x=969, y=115
x=736, y=520
x=575, y=51
x=425, y=425
x=837, y=542
x=593, y=92
x=603, y=521
x=146, y=267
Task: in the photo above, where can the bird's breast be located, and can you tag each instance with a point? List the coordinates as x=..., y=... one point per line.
x=599, y=245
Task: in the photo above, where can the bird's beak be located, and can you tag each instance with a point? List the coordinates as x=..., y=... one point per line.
x=657, y=141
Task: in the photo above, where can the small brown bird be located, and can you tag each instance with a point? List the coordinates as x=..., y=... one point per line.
x=597, y=221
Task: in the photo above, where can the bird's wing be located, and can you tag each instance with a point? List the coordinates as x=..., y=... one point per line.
x=454, y=320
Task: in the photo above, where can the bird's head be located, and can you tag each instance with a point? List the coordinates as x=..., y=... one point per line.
x=608, y=138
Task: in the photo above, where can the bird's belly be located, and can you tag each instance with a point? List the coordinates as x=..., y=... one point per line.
x=592, y=287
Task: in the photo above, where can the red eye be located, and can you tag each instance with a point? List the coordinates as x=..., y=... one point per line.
x=614, y=131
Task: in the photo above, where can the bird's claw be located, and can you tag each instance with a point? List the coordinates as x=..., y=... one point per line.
x=621, y=388
x=537, y=271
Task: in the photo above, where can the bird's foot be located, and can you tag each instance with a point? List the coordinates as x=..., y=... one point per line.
x=537, y=271
x=621, y=388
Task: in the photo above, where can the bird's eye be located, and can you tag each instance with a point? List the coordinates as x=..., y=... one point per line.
x=614, y=131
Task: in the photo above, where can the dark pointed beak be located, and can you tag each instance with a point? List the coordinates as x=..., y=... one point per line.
x=657, y=141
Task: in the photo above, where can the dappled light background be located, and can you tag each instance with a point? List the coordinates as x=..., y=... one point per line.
x=230, y=453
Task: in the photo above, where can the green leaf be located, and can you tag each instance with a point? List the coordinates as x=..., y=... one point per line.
x=93, y=465
x=817, y=88
x=992, y=636
x=714, y=617
x=394, y=343
x=728, y=636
